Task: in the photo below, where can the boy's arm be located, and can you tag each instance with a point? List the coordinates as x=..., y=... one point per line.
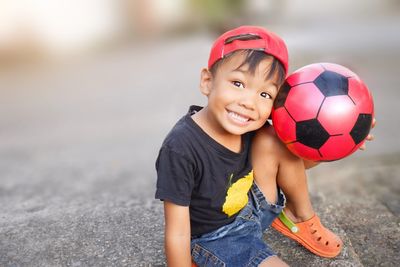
x=177, y=235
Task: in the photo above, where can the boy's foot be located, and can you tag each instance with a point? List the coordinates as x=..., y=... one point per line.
x=311, y=234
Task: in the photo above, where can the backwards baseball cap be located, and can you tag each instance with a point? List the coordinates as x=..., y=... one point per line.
x=249, y=37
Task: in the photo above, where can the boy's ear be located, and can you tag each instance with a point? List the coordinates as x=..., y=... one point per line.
x=205, y=81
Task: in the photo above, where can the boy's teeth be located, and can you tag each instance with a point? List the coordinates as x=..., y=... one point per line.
x=238, y=117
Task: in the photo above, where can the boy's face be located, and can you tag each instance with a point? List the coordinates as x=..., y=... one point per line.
x=238, y=101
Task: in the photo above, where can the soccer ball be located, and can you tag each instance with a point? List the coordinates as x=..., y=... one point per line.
x=323, y=112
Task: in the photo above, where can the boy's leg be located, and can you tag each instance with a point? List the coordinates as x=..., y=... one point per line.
x=273, y=262
x=274, y=165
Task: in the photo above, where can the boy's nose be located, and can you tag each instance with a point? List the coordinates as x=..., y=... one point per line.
x=248, y=100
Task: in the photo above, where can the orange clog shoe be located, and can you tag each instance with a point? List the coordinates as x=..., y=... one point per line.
x=311, y=234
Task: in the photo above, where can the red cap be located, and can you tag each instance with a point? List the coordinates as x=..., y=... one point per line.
x=262, y=39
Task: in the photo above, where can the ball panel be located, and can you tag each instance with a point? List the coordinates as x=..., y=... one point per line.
x=282, y=95
x=356, y=147
x=303, y=101
x=304, y=151
x=338, y=69
x=284, y=125
x=338, y=114
x=337, y=147
x=311, y=133
x=360, y=94
x=332, y=83
x=361, y=128
x=305, y=74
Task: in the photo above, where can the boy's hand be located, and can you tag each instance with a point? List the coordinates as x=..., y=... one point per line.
x=370, y=137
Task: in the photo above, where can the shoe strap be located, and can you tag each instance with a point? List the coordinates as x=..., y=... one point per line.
x=288, y=223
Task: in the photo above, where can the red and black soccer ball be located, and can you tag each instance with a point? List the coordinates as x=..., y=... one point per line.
x=323, y=112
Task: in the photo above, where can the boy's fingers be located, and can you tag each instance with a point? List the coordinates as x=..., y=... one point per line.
x=369, y=137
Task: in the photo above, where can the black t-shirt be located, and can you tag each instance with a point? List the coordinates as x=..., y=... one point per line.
x=196, y=171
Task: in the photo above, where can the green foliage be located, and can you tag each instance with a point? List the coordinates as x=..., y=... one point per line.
x=218, y=14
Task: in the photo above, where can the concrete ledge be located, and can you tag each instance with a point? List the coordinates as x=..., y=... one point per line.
x=121, y=230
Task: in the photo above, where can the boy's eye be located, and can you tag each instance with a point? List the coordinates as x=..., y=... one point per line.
x=238, y=84
x=265, y=95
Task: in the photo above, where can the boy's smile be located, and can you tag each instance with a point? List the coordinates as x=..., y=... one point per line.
x=238, y=118
x=239, y=101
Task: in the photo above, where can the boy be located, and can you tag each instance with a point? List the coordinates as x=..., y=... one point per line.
x=222, y=184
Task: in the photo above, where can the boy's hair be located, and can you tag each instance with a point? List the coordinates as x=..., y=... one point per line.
x=257, y=43
x=253, y=59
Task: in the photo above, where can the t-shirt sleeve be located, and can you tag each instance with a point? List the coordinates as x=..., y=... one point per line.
x=175, y=177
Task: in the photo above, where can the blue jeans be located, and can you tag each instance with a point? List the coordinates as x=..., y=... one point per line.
x=240, y=243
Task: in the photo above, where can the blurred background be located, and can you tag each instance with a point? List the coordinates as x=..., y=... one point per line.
x=90, y=88
x=102, y=81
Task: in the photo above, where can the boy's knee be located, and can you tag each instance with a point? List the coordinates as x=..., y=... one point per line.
x=267, y=142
